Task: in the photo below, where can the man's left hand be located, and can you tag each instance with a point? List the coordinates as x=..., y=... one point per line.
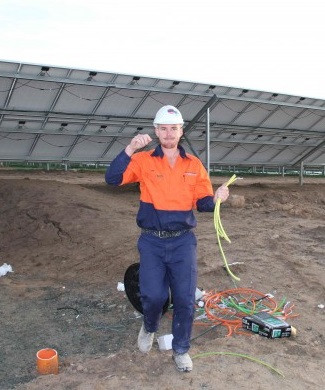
x=221, y=193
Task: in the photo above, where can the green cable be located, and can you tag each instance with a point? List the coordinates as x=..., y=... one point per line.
x=240, y=355
x=281, y=304
x=245, y=309
x=231, y=303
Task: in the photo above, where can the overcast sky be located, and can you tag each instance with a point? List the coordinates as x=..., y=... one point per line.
x=266, y=45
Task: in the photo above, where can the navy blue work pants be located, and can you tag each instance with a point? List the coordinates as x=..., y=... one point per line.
x=169, y=263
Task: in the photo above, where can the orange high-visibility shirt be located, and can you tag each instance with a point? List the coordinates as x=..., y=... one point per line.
x=168, y=194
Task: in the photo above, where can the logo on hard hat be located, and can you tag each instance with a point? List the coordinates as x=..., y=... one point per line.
x=171, y=111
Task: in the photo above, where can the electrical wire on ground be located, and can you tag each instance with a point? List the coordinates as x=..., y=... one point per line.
x=227, y=308
x=205, y=354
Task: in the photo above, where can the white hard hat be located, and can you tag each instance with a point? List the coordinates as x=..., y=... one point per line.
x=168, y=115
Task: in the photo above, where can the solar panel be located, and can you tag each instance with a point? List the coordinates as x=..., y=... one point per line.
x=56, y=114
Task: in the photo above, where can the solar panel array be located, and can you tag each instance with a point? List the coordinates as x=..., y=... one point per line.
x=57, y=114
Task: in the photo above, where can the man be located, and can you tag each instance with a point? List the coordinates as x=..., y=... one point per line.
x=173, y=183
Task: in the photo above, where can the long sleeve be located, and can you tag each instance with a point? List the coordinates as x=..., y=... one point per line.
x=205, y=204
x=114, y=173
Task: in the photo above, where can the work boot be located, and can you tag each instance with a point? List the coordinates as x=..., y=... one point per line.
x=183, y=361
x=145, y=340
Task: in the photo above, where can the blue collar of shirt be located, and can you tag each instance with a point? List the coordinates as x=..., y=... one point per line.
x=158, y=152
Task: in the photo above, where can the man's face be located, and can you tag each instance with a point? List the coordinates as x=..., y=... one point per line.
x=169, y=135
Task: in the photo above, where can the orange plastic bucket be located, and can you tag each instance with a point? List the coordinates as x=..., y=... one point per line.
x=47, y=361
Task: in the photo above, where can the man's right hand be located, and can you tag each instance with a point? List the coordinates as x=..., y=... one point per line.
x=137, y=142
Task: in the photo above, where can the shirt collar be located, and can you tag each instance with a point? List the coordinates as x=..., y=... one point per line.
x=158, y=152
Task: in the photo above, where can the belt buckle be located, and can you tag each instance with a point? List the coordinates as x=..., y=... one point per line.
x=162, y=234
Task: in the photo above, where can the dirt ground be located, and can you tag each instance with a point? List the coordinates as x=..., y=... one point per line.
x=70, y=238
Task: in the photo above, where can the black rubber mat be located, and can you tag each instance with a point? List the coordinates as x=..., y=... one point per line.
x=132, y=288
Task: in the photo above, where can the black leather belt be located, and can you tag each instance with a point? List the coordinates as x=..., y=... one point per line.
x=164, y=233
